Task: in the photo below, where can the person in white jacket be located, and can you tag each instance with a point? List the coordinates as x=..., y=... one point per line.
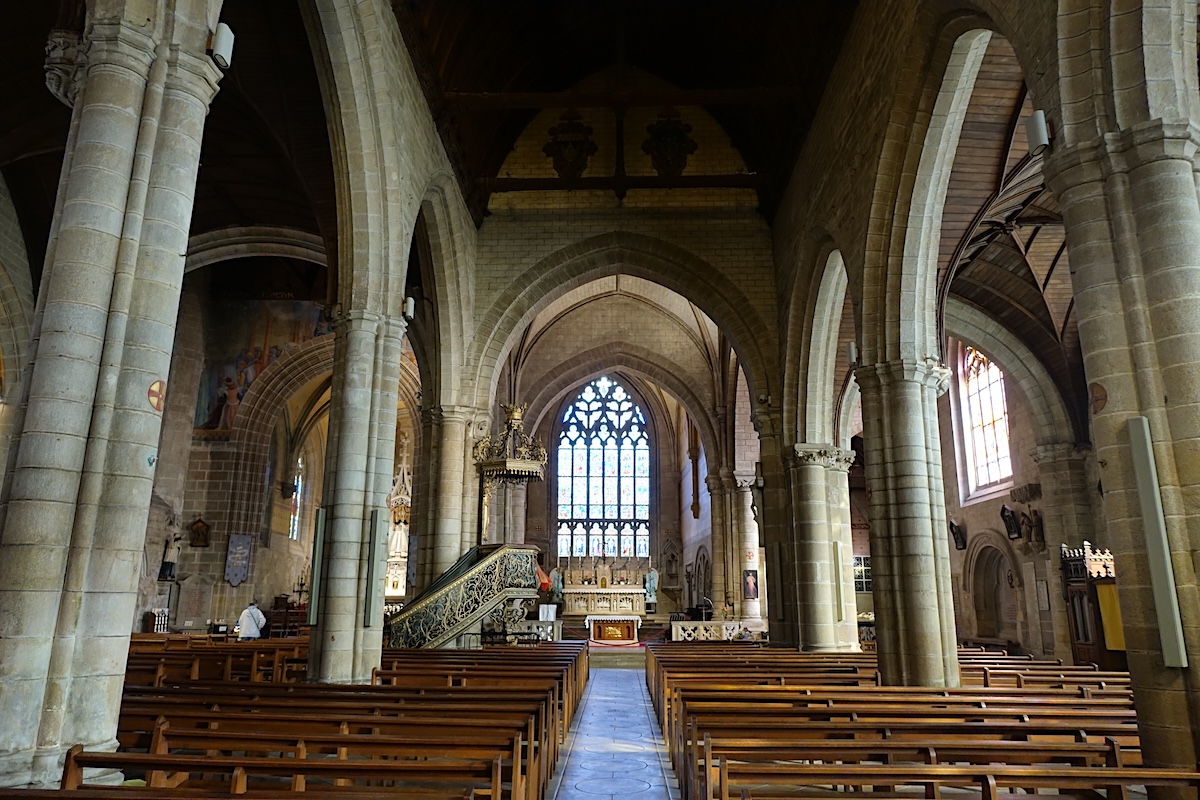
x=251, y=622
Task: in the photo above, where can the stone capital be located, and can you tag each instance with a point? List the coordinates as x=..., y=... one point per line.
x=1060, y=452
x=1074, y=167
x=715, y=483
x=66, y=62
x=192, y=74
x=824, y=455
x=927, y=371
x=119, y=43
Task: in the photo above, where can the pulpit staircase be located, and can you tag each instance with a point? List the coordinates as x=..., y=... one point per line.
x=484, y=582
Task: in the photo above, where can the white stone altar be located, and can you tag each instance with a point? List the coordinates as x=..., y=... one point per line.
x=613, y=627
x=620, y=599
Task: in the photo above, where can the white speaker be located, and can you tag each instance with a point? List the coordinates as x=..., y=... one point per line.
x=222, y=45
x=1037, y=132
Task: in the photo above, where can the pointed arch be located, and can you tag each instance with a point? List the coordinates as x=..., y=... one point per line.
x=647, y=364
x=899, y=298
x=610, y=254
x=822, y=352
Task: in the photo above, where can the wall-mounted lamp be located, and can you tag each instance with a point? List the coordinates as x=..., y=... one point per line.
x=410, y=307
x=1037, y=131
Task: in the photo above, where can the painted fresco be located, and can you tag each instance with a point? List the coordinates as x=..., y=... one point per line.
x=260, y=312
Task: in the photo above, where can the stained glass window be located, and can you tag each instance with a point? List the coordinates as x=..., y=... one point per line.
x=297, y=499
x=862, y=573
x=987, y=420
x=603, y=474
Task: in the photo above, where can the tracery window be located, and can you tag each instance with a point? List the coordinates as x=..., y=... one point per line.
x=297, y=500
x=603, y=475
x=986, y=417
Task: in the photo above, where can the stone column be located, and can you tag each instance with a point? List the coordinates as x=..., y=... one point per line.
x=340, y=647
x=448, y=513
x=425, y=502
x=1133, y=233
x=118, y=476
x=910, y=556
x=515, y=511
x=1067, y=518
x=478, y=424
x=746, y=532
x=775, y=530
x=837, y=476
x=79, y=489
x=814, y=547
x=719, y=510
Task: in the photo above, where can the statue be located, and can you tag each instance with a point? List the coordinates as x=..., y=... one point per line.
x=650, y=583
x=171, y=550
x=556, y=585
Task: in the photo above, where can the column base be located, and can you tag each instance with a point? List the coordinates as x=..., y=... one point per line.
x=16, y=769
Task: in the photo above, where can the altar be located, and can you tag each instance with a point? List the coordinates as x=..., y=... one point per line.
x=582, y=600
x=613, y=627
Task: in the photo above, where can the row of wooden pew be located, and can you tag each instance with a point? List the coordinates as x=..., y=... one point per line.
x=745, y=721
x=433, y=724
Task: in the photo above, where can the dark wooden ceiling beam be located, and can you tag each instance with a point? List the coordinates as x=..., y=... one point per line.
x=616, y=184
x=639, y=98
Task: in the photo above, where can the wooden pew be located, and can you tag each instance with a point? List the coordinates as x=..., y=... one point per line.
x=242, y=775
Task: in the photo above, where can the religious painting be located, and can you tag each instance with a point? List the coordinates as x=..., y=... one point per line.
x=750, y=584
x=260, y=309
x=199, y=533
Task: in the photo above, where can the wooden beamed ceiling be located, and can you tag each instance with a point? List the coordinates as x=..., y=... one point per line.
x=758, y=68
x=1003, y=247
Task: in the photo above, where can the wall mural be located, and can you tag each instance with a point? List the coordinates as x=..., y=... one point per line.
x=260, y=309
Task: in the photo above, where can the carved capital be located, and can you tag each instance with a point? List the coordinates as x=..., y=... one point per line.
x=1065, y=452
x=927, y=371
x=826, y=456
x=66, y=62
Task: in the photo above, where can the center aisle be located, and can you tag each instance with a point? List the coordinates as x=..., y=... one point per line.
x=615, y=748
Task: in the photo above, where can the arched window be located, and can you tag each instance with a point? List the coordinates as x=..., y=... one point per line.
x=986, y=417
x=603, y=475
x=297, y=501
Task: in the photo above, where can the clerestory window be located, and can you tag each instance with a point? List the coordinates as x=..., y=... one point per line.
x=985, y=417
x=603, y=475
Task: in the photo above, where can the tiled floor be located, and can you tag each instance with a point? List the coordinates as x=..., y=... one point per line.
x=615, y=749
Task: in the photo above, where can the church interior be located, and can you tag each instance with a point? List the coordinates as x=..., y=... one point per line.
x=824, y=344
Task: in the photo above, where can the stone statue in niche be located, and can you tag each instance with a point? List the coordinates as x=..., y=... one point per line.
x=570, y=145
x=669, y=144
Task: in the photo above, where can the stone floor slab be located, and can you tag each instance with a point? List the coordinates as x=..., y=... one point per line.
x=615, y=748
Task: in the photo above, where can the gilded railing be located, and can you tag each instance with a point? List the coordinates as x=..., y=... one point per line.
x=510, y=573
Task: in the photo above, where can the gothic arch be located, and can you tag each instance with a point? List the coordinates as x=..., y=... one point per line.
x=250, y=439
x=446, y=252
x=986, y=550
x=381, y=148
x=225, y=244
x=899, y=297
x=640, y=361
x=619, y=253
x=818, y=401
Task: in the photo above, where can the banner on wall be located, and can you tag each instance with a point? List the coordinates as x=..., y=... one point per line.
x=237, y=559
